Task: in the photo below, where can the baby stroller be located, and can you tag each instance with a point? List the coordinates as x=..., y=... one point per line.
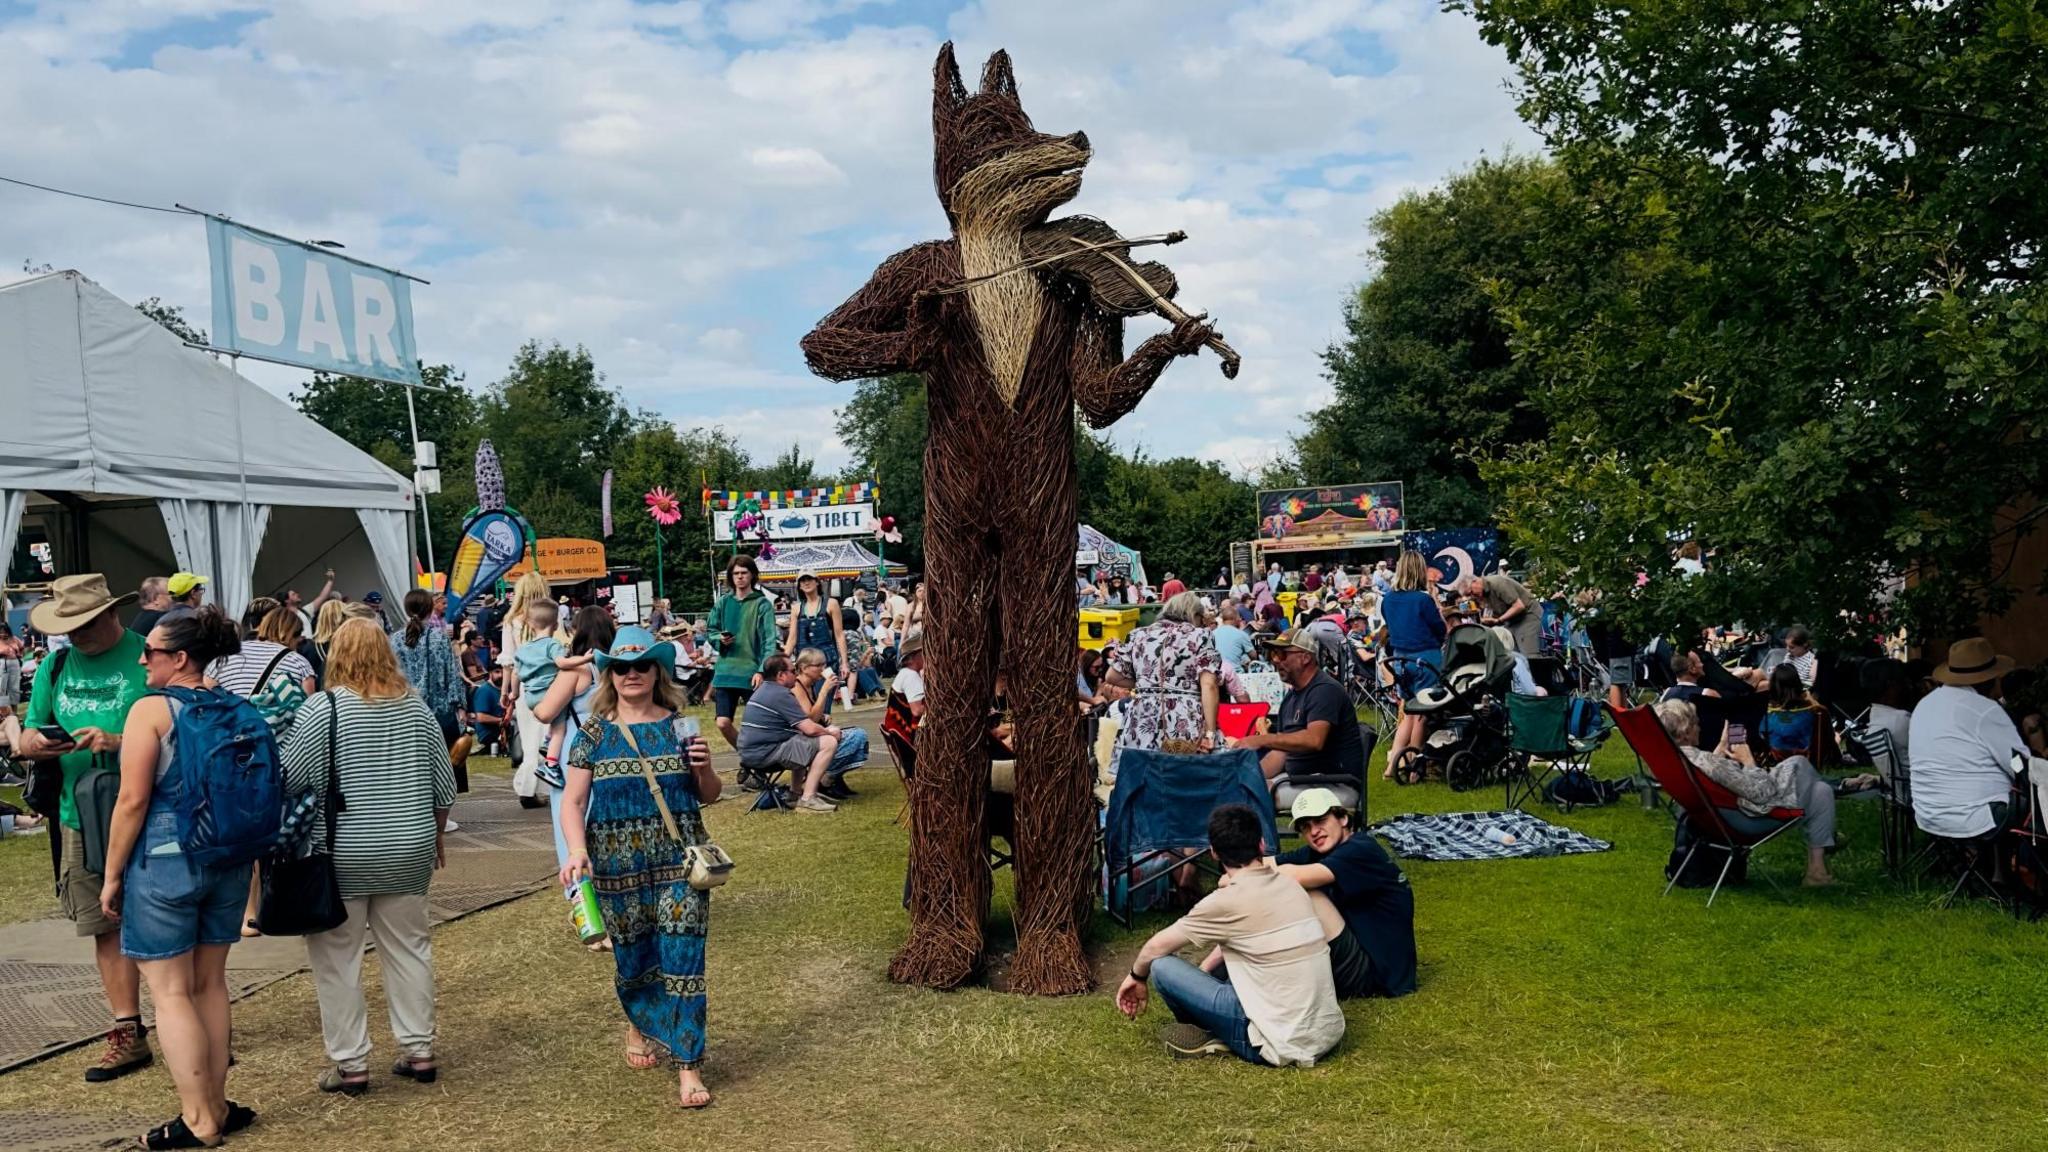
x=1465, y=723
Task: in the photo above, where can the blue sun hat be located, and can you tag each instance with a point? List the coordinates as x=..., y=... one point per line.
x=636, y=645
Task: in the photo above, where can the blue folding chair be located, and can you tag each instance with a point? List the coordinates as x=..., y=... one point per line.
x=1159, y=811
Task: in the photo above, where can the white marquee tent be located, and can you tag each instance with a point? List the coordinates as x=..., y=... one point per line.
x=137, y=456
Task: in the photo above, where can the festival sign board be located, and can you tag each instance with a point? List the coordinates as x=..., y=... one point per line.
x=1338, y=514
x=292, y=303
x=821, y=523
x=565, y=560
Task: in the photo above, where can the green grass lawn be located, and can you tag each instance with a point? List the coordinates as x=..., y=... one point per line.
x=1563, y=1004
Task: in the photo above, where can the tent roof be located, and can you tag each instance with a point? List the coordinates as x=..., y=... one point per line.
x=115, y=405
x=828, y=558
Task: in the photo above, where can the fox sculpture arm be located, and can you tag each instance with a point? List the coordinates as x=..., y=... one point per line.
x=889, y=325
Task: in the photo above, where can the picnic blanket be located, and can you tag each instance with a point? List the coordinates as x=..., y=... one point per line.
x=1463, y=836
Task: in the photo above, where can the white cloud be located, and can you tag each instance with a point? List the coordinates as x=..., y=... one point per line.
x=685, y=188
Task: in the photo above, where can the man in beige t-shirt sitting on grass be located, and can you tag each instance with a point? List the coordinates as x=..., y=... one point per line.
x=1275, y=1002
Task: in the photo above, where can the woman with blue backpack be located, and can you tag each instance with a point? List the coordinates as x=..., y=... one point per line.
x=201, y=799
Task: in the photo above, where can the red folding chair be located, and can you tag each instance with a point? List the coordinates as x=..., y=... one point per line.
x=1717, y=821
x=1239, y=720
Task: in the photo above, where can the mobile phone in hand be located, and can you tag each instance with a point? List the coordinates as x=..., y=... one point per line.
x=56, y=734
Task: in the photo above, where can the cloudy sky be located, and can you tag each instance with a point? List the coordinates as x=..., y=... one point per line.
x=686, y=187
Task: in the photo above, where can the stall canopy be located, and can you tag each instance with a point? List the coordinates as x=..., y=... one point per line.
x=1103, y=557
x=830, y=559
x=137, y=456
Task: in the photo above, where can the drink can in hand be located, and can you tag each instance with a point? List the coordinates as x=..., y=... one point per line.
x=583, y=911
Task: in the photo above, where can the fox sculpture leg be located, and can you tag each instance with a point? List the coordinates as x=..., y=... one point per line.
x=949, y=877
x=1055, y=805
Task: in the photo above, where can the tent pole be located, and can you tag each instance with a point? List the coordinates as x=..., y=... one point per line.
x=426, y=522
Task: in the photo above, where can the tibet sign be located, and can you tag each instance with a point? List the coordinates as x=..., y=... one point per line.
x=278, y=299
x=805, y=523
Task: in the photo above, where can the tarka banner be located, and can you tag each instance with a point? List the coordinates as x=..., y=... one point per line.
x=805, y=523
x=1336, y=512
x=1455, y=554
x=278, y=299
x=493, y=540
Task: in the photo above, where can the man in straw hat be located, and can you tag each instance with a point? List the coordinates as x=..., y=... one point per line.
x=86, y=692
x=1963, y=743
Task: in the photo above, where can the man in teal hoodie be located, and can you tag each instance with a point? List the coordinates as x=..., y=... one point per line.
x=743, y=622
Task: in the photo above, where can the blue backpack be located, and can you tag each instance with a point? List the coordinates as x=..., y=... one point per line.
x=231, y=801
x=1583, y=718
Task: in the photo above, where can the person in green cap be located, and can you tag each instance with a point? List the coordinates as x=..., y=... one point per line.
x=743, y=620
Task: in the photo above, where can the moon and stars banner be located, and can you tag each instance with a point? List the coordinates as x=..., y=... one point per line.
x=1455, y=554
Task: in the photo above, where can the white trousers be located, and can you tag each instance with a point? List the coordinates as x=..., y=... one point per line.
x=399, y=924
x=533, y=744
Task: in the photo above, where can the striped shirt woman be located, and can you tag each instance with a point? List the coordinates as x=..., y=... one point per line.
x=396, y=784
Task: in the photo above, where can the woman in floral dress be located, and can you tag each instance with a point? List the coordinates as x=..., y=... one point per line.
x=1171, y=668
x=627, y=844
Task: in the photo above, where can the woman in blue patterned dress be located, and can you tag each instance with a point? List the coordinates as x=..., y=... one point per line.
x=632, y=847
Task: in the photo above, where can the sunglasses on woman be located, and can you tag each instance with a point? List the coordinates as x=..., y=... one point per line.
x=635, y=668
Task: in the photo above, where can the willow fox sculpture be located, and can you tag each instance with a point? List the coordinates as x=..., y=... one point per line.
x=1009, y=333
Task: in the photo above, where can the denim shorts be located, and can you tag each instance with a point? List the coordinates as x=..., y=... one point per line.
x=726, y=702
x=169, y=905
x=1415, y=671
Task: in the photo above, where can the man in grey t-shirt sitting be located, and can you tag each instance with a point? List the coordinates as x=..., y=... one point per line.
x=776, y=735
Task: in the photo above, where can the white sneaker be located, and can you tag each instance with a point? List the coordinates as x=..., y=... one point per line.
x=451, y=825
x=817, y=804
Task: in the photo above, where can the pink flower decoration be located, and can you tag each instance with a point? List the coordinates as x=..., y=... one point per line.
x=663, y=506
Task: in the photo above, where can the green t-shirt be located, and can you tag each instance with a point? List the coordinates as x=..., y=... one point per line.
x=96, y=693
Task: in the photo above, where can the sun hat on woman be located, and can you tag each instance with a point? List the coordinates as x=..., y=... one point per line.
x=634, y=645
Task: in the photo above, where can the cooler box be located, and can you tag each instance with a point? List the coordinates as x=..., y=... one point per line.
x=1101, y=626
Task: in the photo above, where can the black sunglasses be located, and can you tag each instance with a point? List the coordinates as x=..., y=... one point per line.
x=625, y=668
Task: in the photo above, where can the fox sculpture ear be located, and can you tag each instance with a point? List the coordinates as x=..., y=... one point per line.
x=996, y=77
x=948, y=93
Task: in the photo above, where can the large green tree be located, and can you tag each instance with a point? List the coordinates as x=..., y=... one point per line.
x=1793, y=305
x=1425, y=381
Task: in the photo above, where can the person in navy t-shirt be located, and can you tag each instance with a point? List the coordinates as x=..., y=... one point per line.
x=1375, y=954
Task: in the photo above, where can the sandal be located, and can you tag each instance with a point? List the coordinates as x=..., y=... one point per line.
x=418, y=1069
x=176, y=1134
x=638, y=1054
x=239, y=1117
x=250, y=931
x=335, y=1080
x=694, y=1098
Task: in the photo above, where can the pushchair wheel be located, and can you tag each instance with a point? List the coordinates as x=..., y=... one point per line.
x=1408, y=767
x=1462, y=771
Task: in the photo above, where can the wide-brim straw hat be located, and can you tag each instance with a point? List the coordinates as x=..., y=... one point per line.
x=912, y=645
x=1973, y=661
x=74, y=602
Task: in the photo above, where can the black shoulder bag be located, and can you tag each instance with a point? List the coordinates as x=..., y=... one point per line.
x=301, y=895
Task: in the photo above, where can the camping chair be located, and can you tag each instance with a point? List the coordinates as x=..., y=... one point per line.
x=1350, y=790
x=899, y=736
x=1540, y=728
x=1239, y=720
x=1158, y=817
x=1895, y=798
x=1710, y=809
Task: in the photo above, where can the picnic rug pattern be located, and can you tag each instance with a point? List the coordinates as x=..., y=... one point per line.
x=1463, y=836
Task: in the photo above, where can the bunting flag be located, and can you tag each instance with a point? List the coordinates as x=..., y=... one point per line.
x=860, y=492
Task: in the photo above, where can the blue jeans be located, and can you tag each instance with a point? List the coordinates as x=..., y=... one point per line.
x=852, y=753
x=1208, y=1002
x=866, y=683
x=555, y=822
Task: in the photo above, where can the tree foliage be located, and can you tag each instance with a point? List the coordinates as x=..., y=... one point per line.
x=1425, y=381
x=172, y=317
x=1793, y=304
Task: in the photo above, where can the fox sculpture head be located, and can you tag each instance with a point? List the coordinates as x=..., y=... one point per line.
x=992, y=168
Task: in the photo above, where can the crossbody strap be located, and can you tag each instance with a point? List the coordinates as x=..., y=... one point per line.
x=668, y=819
x=334, y=800
x=263, y=681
